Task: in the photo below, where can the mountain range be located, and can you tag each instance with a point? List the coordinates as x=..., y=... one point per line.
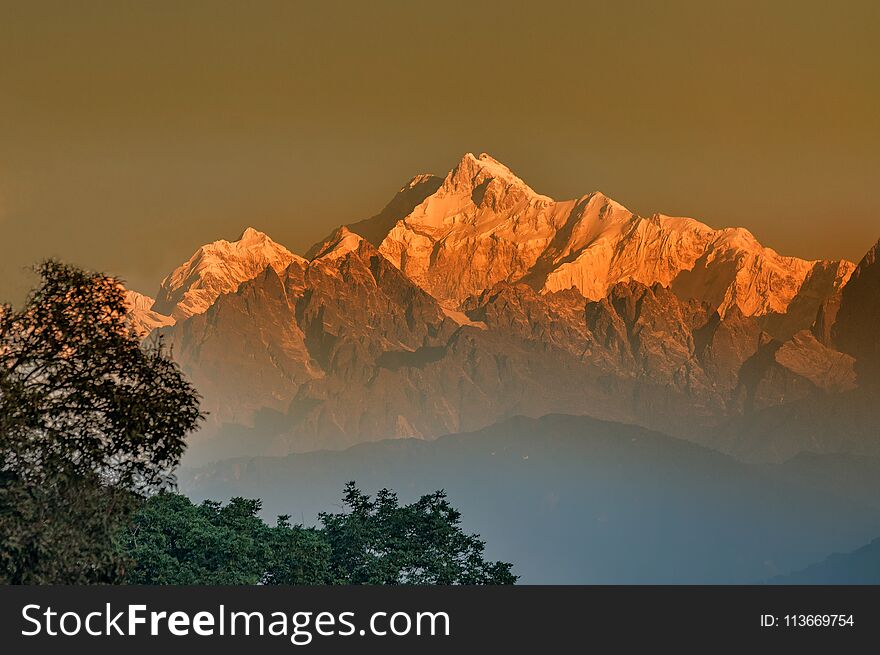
x=472, y=298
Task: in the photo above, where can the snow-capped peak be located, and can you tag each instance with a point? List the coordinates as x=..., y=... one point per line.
x=472, y=172
x=475, y=190
x=217, y=268
x=252, y=236
x=340, y=243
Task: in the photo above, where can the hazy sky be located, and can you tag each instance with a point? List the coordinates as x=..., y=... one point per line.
x=133, y=132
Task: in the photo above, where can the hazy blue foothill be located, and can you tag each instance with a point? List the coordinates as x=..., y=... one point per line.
x=860, y=567
x=577, y=500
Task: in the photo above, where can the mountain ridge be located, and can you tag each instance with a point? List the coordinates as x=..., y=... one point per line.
x=366, y=339
x=588, y=244
x=485, y=225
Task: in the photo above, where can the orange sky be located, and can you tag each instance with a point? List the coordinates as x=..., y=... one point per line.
x=132, y=133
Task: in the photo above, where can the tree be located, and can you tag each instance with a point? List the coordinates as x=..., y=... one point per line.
x=382, y=542
x=299, y=555
x=90, y=419
x=173, y=541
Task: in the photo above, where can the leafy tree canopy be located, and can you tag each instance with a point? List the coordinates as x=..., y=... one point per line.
x=376, y=541
x=173, y=541
x=380, y=541
x=89, y=419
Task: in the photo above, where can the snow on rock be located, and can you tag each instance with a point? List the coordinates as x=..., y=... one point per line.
x=218, y=268
x=138, y=301
x=140, y=313
x=462, y=319
x=484, y=225
x=338, y=244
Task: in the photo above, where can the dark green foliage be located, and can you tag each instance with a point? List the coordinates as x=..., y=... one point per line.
x=173, y=541
x=89, y=419
x=62, y=531
x=298, y=555
x=382, y=542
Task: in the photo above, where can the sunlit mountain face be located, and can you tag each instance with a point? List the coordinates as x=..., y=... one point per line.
x=471, y=298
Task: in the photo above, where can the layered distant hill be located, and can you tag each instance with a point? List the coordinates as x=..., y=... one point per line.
x=472, y=298
x=570, y=499
x=860, y=567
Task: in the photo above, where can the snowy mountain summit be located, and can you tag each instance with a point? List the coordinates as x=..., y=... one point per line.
x=217, y=268
x=484, y=225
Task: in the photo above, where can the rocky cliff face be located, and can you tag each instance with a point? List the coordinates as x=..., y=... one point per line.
x=301, y=335
x=856, y=323
x=247, y=353
x=822, y=285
